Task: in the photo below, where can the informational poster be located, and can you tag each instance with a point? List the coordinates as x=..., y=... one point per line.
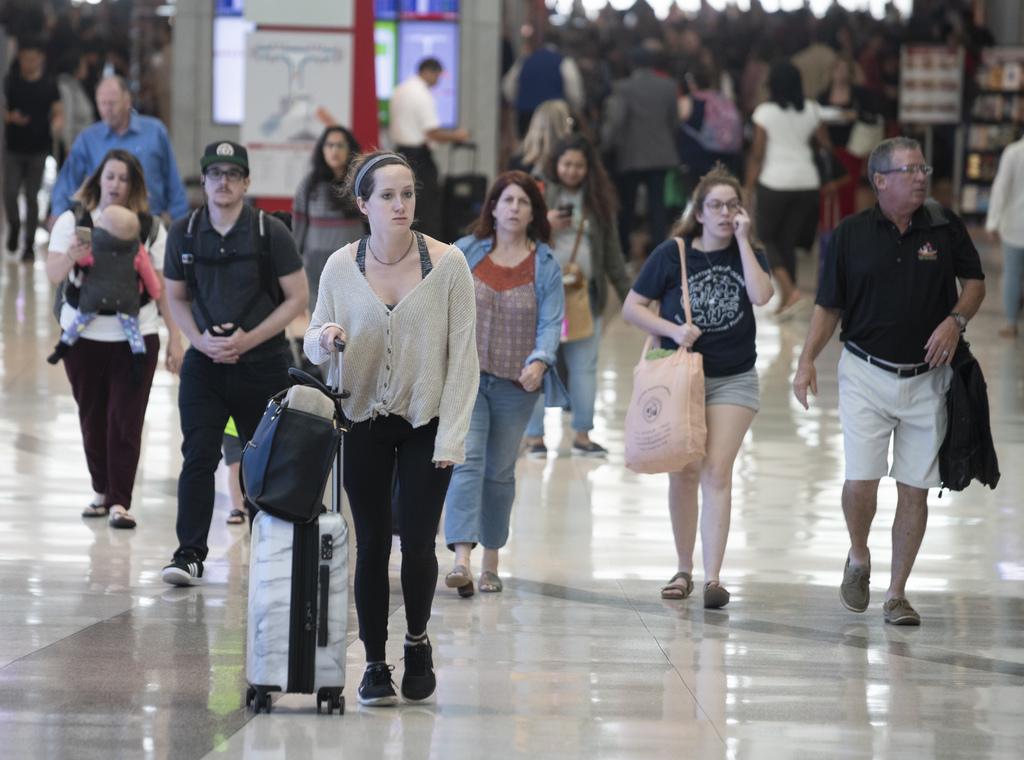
x=296, y=83
x=433, y=39
x=931, y=84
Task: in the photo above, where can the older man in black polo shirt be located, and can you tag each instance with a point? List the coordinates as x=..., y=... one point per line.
x=890, y=275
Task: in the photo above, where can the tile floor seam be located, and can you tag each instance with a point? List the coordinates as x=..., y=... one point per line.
x=668, y=659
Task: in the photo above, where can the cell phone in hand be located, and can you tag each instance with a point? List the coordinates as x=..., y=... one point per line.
x=84, y=235
x=565, y=209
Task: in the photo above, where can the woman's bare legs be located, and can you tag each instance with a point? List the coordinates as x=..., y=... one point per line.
x=727, y=425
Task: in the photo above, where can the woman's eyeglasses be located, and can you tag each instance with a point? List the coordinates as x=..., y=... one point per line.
x=717, y=205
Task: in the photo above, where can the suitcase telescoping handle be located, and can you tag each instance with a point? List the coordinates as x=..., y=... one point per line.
x=336, y=484
x=304, y=378
x=470, y=146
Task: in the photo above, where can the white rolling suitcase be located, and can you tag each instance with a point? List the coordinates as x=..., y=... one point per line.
x=298, y=602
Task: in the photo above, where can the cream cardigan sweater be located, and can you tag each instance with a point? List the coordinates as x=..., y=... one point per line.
x=418, y=361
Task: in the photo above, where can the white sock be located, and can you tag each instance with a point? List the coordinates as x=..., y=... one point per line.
x=410, y=639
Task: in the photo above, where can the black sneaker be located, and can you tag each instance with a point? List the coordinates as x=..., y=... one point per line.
x=377, y=689
x=418, y=682
x=183, y=572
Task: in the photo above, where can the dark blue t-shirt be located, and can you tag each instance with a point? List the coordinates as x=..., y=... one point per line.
x=718, y=300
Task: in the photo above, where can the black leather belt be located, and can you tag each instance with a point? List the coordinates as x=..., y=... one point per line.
x=914, y=371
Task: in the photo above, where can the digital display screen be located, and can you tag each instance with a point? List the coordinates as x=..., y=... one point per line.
x=229, y=33
x=423, y=10
x=433, y=39
x=385, y=50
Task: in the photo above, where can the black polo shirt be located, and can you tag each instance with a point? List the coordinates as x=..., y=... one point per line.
x=894, y=289
x=227, y=288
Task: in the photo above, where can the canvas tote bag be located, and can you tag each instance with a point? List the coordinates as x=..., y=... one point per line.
x=579, y=321
x=665, y=424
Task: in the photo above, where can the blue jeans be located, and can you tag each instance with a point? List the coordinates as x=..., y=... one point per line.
x=1013, y=272
x=581, y=361
x=482, y=490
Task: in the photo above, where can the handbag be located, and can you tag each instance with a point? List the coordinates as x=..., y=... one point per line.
x=830, y=169
x=578, y=322
x=286, y=463
x=666, y=428
x=864, y=136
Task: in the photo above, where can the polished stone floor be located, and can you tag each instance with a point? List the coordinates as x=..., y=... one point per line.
x=579, y=658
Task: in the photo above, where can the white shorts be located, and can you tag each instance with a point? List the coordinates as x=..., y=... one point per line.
x=876, y=405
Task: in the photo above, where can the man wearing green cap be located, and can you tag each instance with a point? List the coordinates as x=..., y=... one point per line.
x=234, y=281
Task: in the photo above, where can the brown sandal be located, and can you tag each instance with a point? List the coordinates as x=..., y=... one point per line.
x=490, y=583
x=679, y=587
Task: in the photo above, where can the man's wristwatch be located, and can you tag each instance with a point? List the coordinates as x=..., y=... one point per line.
x=960, y=319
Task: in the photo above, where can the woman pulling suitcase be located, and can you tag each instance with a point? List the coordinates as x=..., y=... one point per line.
x=405, y=305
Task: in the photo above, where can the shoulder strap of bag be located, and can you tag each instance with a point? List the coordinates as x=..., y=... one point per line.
x=579, y=237
x=686, y=285
x=188, y=266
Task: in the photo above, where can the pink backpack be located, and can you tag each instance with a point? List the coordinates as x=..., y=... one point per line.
x=722, y=128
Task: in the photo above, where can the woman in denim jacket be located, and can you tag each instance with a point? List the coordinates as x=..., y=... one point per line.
x=520, y=305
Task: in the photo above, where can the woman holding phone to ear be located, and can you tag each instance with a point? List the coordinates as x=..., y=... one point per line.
x=726, y=275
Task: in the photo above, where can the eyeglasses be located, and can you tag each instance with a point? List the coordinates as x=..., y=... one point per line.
x=233, y=175
x=909, y=169
x=716, y=205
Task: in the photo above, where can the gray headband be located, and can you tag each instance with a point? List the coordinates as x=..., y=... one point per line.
x=370, y=164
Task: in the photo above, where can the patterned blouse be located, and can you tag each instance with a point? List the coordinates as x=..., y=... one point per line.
x=506, y=316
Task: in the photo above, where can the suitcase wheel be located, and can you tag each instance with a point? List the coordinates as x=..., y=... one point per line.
x=330, y=697
x=259, y=698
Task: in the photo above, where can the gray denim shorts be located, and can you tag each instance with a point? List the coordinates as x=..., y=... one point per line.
x=739, y=390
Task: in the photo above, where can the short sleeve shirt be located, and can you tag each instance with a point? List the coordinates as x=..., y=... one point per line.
x=35, y=100
x=226, y=288
x=413, y=112
x=895, y=288
x=788, y=164
x=718, y=300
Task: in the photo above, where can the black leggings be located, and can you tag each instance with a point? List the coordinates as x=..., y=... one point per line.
x=786, y=220
x=371, y=449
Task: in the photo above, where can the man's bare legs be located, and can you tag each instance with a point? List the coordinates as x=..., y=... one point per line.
x=907, y=533
x=860, y=502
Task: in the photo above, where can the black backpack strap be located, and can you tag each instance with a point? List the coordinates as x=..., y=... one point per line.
x=189, y=250
x=268, y=282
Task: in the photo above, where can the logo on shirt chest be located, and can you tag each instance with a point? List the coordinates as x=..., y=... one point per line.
x=927, y=252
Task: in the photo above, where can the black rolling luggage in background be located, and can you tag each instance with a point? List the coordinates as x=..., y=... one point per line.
x=462, y=196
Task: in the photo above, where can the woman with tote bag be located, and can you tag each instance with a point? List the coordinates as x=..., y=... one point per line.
x=725, y=276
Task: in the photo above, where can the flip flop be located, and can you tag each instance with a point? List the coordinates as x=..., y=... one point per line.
x=236, y=517
x=119, y=518
x=490, y=583
x=679, y=587
x=96, y=510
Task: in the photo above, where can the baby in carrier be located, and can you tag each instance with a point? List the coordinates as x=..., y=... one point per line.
x=119, y=268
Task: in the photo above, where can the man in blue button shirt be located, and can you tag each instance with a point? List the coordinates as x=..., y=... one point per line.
x=122, y=127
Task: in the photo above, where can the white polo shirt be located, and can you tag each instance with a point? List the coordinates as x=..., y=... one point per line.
x=413, y=113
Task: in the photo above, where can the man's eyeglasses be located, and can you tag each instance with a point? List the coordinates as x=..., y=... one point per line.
x=233, y=175
x=909, y=169
x=716, y=205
